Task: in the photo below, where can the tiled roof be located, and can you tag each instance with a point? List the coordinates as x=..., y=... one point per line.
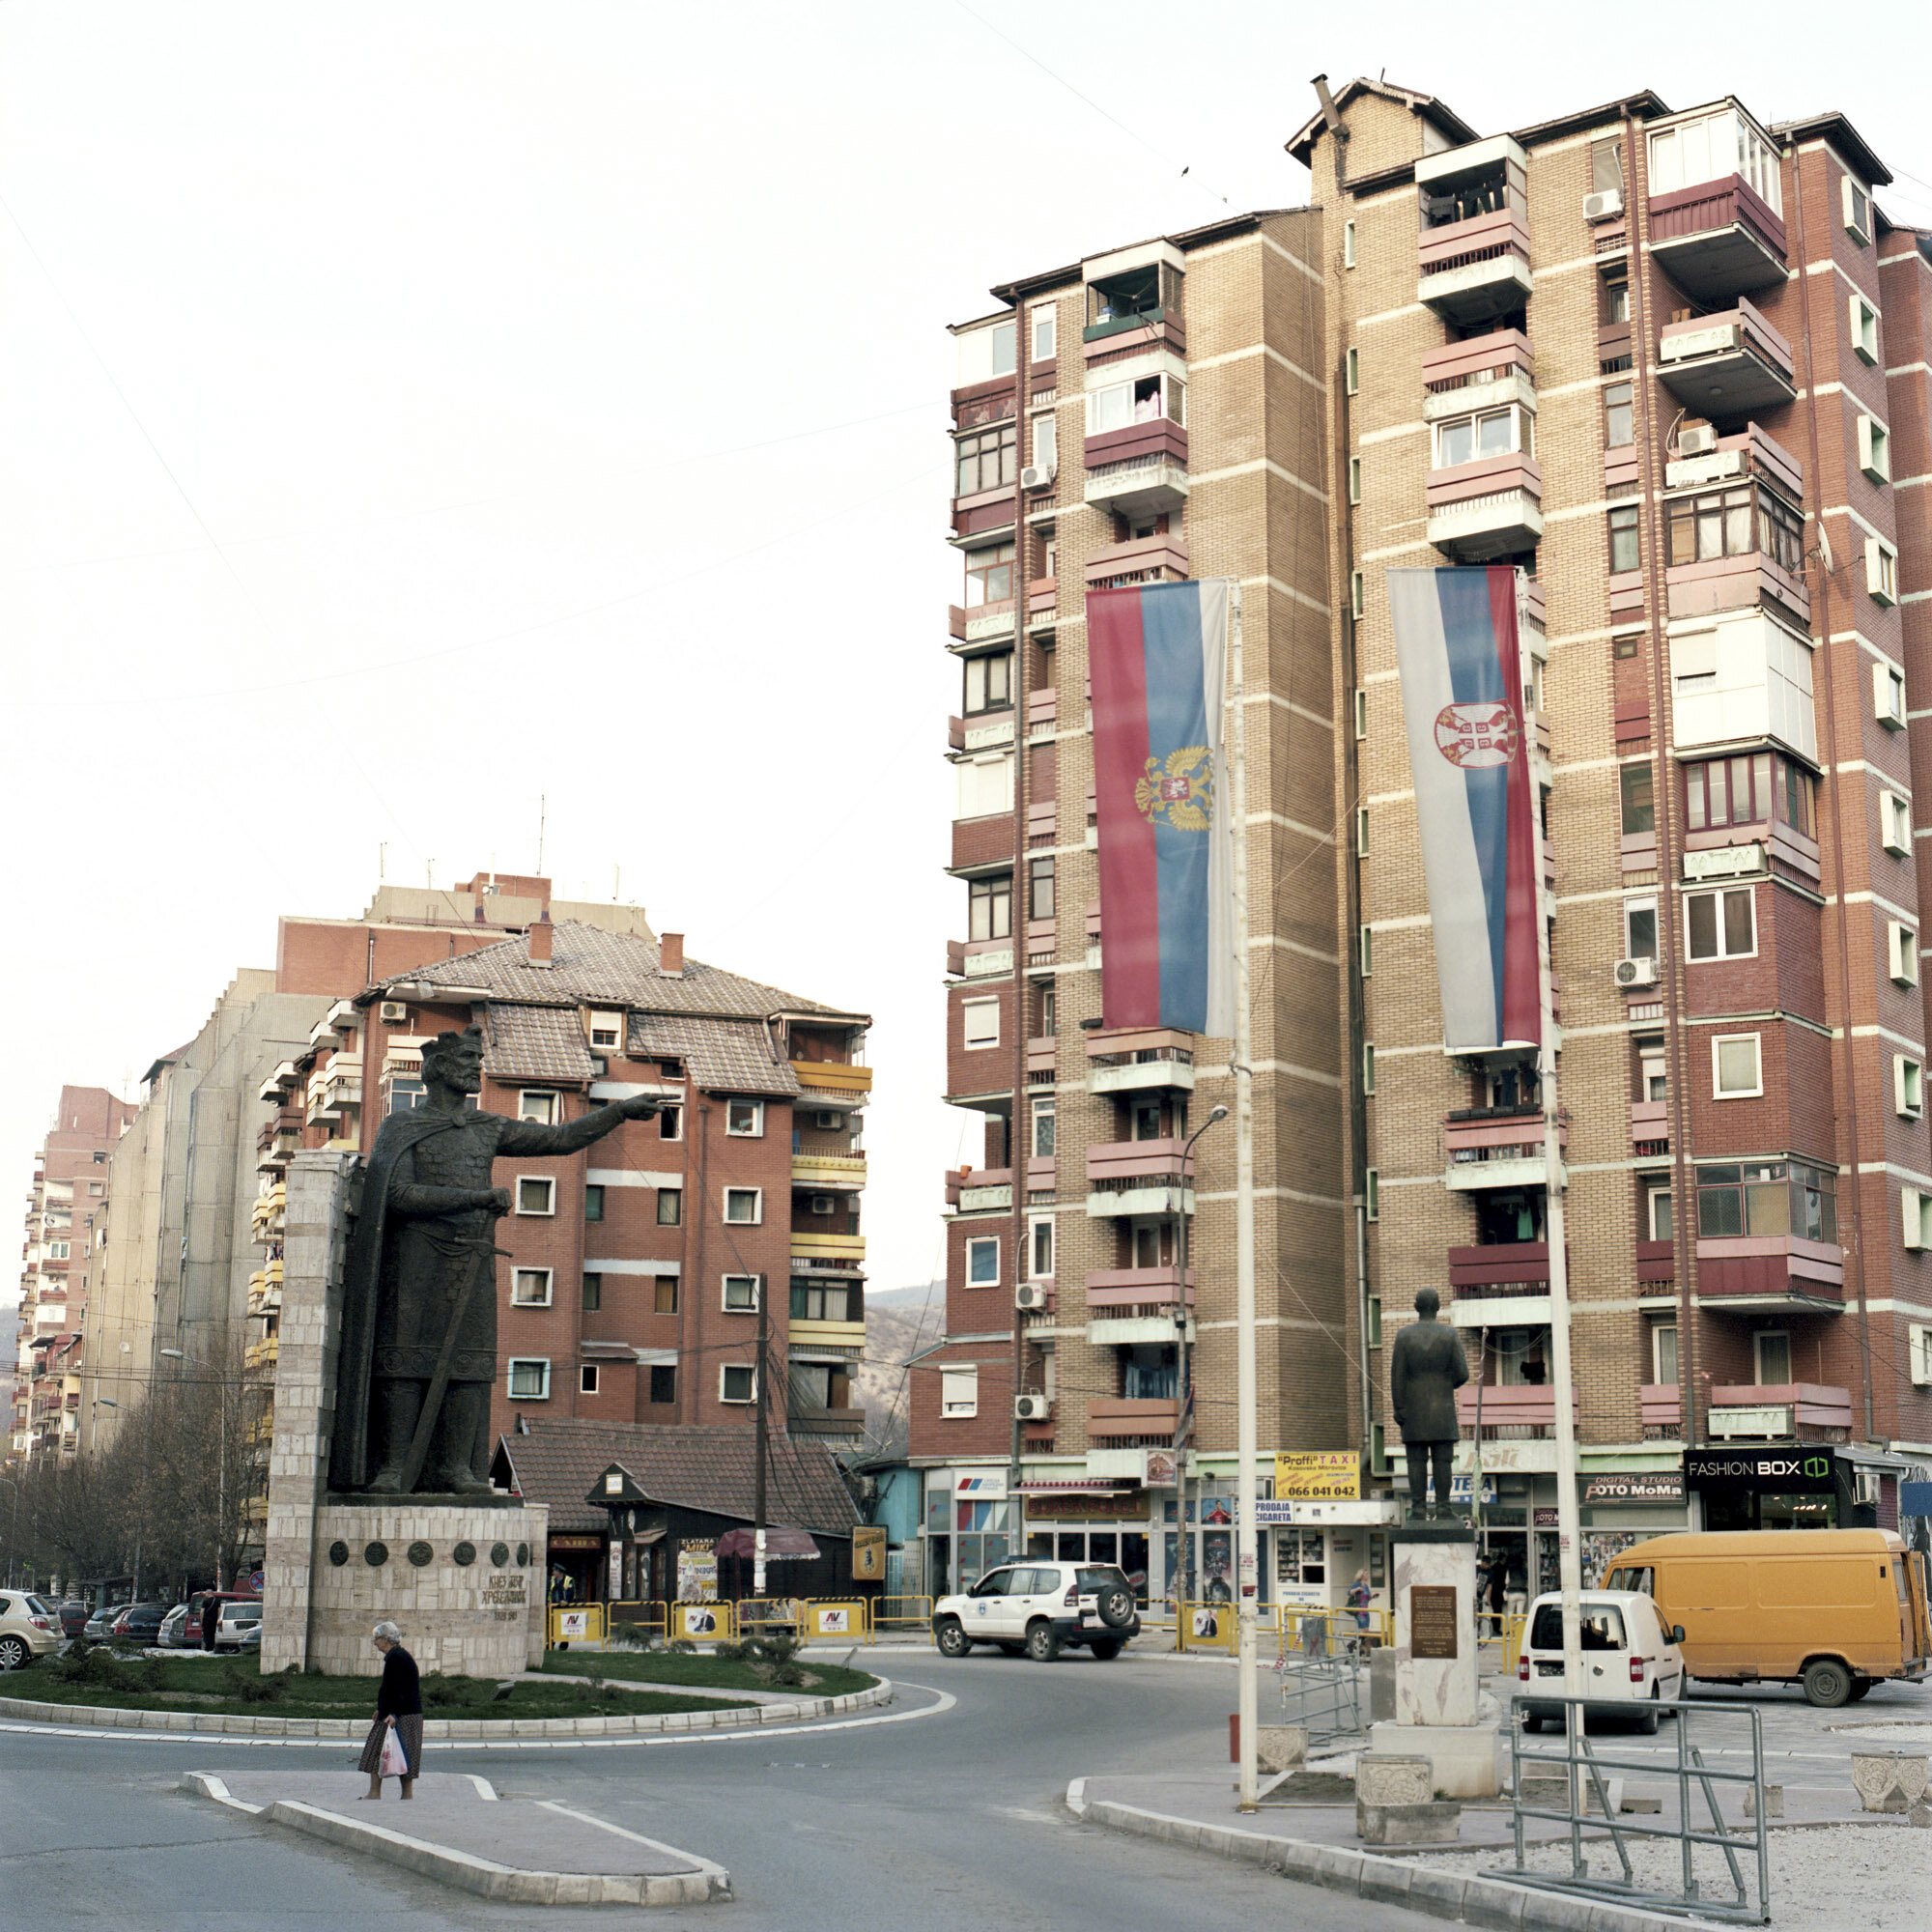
x=699, y=1468
x=535, y=1043
x=591, y=966
x=720, y=1055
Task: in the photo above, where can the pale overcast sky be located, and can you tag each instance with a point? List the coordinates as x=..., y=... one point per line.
x=408, y=412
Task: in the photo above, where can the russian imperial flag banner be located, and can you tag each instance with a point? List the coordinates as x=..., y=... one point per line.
x=1461, y=695
x=1156, y=658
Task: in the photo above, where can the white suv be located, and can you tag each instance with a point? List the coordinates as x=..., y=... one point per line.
x=1039, y=1607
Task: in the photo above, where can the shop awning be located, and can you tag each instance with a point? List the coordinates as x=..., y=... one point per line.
x=780, y=1542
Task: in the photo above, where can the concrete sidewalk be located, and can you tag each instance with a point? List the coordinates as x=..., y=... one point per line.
x=457, y=1830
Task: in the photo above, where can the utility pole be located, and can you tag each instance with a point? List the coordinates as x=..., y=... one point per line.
x=763, y=1437
x=1184, y=1434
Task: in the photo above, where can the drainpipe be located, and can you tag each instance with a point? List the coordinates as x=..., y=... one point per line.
x=1020, y=1143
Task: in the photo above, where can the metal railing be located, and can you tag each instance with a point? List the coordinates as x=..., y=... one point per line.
x=1321, y=1692
x=895, y=1613
x=1333, y=1633
x=1581, y=1766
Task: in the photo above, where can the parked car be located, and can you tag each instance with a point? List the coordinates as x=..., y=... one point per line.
x=98, y=1626
x=72, y=1615
x=1630, y=1658
x=1039, y=1608
x=1832, y=1609
x=174, y=1633
x=29, y=1627
x=238, y=1617
x=250, y=1643
x=197, y=1606
x=138, y=1623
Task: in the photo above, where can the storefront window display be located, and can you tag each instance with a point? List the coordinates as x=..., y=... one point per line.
x=966, y=1536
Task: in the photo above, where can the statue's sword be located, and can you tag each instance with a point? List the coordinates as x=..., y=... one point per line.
x=413, y=1463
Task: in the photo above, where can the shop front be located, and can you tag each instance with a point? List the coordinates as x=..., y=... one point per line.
x=1799, y=1486
x=576, y=1565
x=1091, y=1523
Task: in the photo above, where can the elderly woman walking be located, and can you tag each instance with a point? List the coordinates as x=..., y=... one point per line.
x=398, y=1709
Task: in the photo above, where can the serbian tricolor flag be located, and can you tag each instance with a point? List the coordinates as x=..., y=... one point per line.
x=1156, y=658
x=1461, y=694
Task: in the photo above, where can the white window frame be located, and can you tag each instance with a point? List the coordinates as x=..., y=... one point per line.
x=1348, y=245
x=1357, y=594
x=1045, y=428
x=1894, y=820
x=1653, y=1065
x=586, y=1377
x=1881, y=579
x=549, y=1278
x=755, y=1131
x=516, y=1362
x=1368, y=1067
x=1361, y=832
x=1856, y=203
x=1908, y=1087
x=959, y=1392
x=1901, y=952
x=1657, y=1330
x=1888, y=693
x=1172, y=388
x=757, y=1218
x=1372, y=1194
x=544, y=1180
x=1035, y=1223
x=1361, y=712
x=1865, y=330
x=1042, y=1107
x=725, y=1371
x=1366, y=951
x=982, y=1009
x=1919, y=1352
x=1759, y=1339
x=1642, y=902
x=1711, y=959
x=1720, y=1040
x=1352, y=372
x=1874, y=449
x=537, y=1105
x=749, y=1306
x=1355, y=479
x=1915, y=1207
x=602, y=1019
x=980, y=1241
x=984, y=785
x=1650, y=1197
x=1522, y=434
x=1048, y=313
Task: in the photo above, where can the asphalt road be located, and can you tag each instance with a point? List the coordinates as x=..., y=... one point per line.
x=952, y=1820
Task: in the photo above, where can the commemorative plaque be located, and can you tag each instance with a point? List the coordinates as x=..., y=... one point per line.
x=1433, y=1623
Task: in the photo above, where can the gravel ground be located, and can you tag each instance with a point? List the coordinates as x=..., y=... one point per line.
x=1821, y=1880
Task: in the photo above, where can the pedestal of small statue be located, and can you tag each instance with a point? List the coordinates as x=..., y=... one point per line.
x=1435, y=1689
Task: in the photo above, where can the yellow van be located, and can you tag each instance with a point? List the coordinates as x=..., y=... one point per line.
x=1834, y=1609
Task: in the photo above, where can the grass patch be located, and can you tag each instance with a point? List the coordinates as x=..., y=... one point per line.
x=698, y=1669
x=238, y=1687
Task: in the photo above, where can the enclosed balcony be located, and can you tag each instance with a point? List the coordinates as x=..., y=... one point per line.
x=1485, y=488
x=1734, y=533
x=1716, y=226
x=1780, y=1412
x=1152, y=1177
x=1152, y=1060
x=1749, y=1273
x=1728, y=365
x=1474, y=244
x=1136, y=448
x=1496, y=1147
x=1134, y=304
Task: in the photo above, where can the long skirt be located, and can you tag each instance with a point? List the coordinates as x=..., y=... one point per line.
x=409, y=1729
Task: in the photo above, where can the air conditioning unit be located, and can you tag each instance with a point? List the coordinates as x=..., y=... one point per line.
x=825, y=1204
x=1030, y=1294
x=1697, y=440
x=1031, y=1407
x=1038, y=475
x=395, y=1012
x=1636, y=973
x=1605, y=204
x=827, y=1121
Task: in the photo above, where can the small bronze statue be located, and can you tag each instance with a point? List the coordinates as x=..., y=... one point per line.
x=1426, y=1370
x=419, y=1350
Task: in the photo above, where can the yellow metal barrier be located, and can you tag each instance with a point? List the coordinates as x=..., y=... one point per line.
x=761, y=1616
x=576, y=1623
x=891, y=1614
x=836, y=1619
x=701, y=1623
x=1205, y=1626
x=637, y=1613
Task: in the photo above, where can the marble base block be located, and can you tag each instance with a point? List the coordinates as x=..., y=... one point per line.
x=1466, y=1760
x=1431, y=1689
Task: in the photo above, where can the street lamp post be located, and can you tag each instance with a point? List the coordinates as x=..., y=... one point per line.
x=1184, y=1430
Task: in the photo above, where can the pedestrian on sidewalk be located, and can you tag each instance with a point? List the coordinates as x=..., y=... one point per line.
x=1497, y=1584
x=211, y=1619
x=398, y=1709
x=1359, y=1594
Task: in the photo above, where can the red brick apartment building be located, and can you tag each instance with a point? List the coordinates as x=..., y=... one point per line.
x=1673, y=366
x=68, y=1198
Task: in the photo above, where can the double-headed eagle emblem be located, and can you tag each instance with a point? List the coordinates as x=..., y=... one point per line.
x=1182, y=791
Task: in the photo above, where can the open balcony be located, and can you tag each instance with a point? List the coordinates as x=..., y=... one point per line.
x=1155, y=559
x=1474, y=243
x=1660, y=1412
x=1510, y=1414
x=1126, y=1307
x=1138, y=472
x=1123, y=1421
x=823, y=1078
x=979, y=958
x=979, y=1190
x=1748, y=1274
x=1496, y=1147
x=1150, y=1059
x=1726, y=365
x=1153, y=1176
x=826, y=1422
x=1490, y=508
x=827, y=1173
x=1778, y=1412
x=1501, y=1268
x=1717, y=240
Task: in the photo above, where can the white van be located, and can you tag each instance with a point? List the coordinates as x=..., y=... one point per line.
x=1629, y=1657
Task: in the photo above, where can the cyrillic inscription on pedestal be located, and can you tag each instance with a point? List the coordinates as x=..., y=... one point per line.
x=1433, y=1621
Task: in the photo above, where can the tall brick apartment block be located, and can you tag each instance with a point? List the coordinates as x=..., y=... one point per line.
x=1672, y=368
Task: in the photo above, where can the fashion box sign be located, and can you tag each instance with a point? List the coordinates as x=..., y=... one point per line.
x=1317, y=1475
x=1780, y=1471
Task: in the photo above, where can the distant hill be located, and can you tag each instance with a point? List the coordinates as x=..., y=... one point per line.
x=900, y=1323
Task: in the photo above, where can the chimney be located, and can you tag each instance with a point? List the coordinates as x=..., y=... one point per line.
x=670, y=954
x=541, y=934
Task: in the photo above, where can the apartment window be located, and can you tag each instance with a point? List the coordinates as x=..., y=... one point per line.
x=1857, y=211
x=1368, y=1067
x=1640, y=928
x=1372, y=1194
x=670, y=1206
x=1874, y=449
x=1710, y=148
x=810, y=1302
x=989, y=575
x=982, y=1262
x=1767, y=1197
x=1737, y=522
x=1361, y=832
x=1357, y=594
x=1637, y=785
x=535, y=1195
x=959, y=1392
x=1484, y=432
x=1917, y=1232
x=1040, y=1248
x=1720, y=925
x=1375, y=1322
x=529, y=1288
x=538, y=1107
x=1043, y=1110
x=1865, y=330
x=745, y=1119
x=1901, y=952
x=1355, y=479
x=737, y=1381
x=664, y=1294
x=741, y=1293
x=529, y=1379
x=1352, y=371
x=1888, y=696
x=1049, y=1012
x=1895, y=817
x=587, y=1378
x=1039, y=889
x=1366, y=940
x=591, y=1294
x=985, y=786
x=1771, y=1357
x=606, y=1030
x=1881, y=573
x=1663, y=1353
x=1361, y=708
x=1619, y=415
x=1908, y=1087
x=1348, y=245
x=1653, y=1074
x=1139, y=400
x=989, y=907
x=979, y=1023
x=593, y=1201
x=1043, y=320
x=985, y=460
x=1616, y=306
x=1046, y=444
x=1625, y=648
x=743, y=1207
x=670, y=1123
x=1737, y=1074
x=1657, y=1219
x=1625, y=550
x=406, y=1095
x=1752, y=789
x=664, y=1383
x=989, y=683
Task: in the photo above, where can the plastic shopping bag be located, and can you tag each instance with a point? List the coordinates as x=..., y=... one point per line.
x=395, y=1760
